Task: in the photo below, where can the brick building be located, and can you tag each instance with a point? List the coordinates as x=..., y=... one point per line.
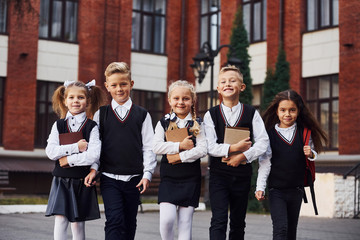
x=45, y=42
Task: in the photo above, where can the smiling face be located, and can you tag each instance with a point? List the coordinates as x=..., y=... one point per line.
x=287, y=112
x=119, y=86
x=75, y=100
x=181, y=101
x=230, y=85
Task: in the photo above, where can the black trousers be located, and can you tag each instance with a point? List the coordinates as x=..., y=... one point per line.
x=285, y=207
x=121, y=201
x=225, y=191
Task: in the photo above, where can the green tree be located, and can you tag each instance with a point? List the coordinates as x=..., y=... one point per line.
x=239, y=48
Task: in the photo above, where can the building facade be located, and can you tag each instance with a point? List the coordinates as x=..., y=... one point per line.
x=45, y=42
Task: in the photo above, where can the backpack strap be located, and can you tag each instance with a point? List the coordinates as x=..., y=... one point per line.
x=306, y=138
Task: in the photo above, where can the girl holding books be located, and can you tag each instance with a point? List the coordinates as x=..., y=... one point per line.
x=180, y=171
x=75, y=147
x=284, y=163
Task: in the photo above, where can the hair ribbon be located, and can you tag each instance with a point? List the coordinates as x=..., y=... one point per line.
x=90, y=84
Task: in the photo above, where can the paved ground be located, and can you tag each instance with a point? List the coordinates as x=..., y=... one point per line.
x=34, y=226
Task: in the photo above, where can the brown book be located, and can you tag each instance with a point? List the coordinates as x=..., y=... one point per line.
x=235, y=134
x=176, y=135
x=69, y=138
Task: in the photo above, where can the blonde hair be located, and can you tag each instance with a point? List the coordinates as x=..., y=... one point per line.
x=118, y=67
x=195, y=129
x=232, y=68
x=95, y=98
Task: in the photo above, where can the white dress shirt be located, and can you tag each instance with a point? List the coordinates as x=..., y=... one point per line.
x=160, y=146
x=222, y=149
x=89, y=157
x=264, y=160
x=147, y=133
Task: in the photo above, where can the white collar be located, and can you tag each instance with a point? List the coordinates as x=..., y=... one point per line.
x=229, y=109
x=291, y=128
x=78, y=117
x=187, y=118
x=126, y=105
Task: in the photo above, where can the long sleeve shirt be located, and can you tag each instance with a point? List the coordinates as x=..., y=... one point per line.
x=222, y=149
x=75, y=158
x=147, y=133
x=265, y=159
x=160, y=146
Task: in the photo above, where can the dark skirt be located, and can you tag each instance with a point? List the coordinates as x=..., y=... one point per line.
x=183, y=194
x=71, y=198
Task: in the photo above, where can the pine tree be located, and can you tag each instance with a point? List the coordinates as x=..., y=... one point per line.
x=239, y=48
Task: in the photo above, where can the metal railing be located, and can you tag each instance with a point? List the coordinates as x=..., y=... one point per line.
x=356, y=172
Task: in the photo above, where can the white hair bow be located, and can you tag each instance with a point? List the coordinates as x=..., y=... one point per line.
x=68, y=83
x=90, y=84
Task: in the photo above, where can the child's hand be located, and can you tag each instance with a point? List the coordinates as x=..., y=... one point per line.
x=186, y=144
x=173, y=158
x=64, y=162
x=82, y=145
x=307, y=151
x=241, y=146
x=260, y=195
x=235, y=160
x=143, y=185
x=89, y=179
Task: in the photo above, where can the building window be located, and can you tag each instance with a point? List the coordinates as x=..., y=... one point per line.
x=254, y=13
x=151, y=101
x=2, y=87
x=148, y=26
x=45, y=116
x=322, y=96
x=58, y=20
x=3, y=15
x=322, y=14
x=210, y=23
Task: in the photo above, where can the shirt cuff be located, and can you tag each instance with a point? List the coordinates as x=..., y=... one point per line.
x=177, y=147
x=95, y=166
x=147, y=175
x=315, y=155
x=71, y=160
x=227, y=148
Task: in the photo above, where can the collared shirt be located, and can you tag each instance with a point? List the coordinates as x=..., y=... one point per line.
x=160, y=146
x=264, y=160
x=147, y=133
x=75, y=158
x=222, y=149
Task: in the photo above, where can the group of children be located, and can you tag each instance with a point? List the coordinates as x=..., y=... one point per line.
x=120, y=143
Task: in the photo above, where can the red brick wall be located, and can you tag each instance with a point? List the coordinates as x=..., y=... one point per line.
x=349, y=80
x=272, y=32
x=20, y=86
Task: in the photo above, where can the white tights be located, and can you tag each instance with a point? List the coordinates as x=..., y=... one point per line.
x=167, y=220
x=61, y=225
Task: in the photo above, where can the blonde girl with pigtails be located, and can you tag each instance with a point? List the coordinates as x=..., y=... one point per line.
x=74, y=146
x=180, y=171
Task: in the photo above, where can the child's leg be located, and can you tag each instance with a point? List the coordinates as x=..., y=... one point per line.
x=219, y=201
x=294, y=205
x=278, y=210
x=131, y=205
x=60, y=227
x=167, y=220
x=240, y=188
x=78, y=230
x=185, y=217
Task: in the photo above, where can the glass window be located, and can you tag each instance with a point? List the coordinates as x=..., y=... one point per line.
x=3, y=15
x=148, y=26
x=254, y=14
x=151, y=101
x=210, y=23
x=45, y=116
x=58, y=20
x=2, y=87
x=322, y=96
x=322, y=14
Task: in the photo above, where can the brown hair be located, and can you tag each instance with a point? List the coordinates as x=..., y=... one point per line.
x=117, y=67
x=95, y=98
x=304, y=119
x=195, y=129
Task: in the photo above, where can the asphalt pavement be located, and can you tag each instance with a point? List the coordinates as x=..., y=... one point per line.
x=35, y=226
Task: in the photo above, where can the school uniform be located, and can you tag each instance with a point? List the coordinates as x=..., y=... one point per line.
x=68, y=195
x=231, y=185
x=126, y=157
x=185, y=177
x=283, y=165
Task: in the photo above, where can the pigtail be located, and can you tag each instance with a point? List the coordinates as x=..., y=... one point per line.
x=58, y=102
x=195, y=129
x=172, y=125
x=97, y=98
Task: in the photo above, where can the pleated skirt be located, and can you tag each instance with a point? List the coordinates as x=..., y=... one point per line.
x=71, y=198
